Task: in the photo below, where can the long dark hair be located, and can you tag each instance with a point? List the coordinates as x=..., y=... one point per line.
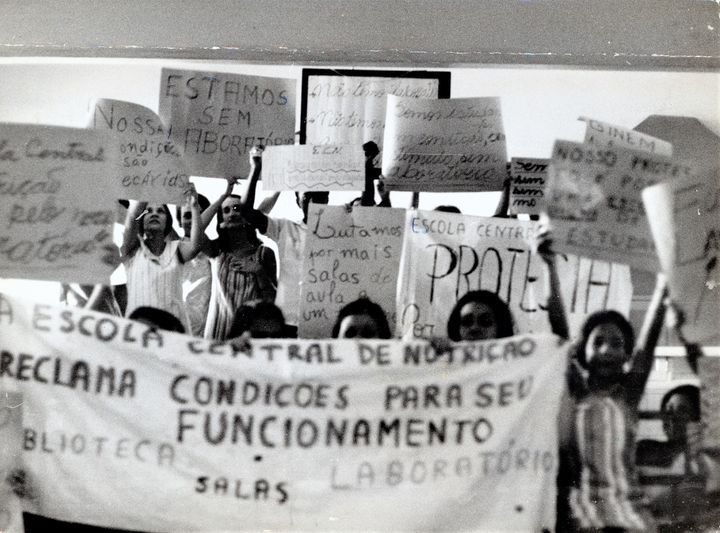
x=500, y=310
x=364, y=306
x=593, y=321
x=222, y=241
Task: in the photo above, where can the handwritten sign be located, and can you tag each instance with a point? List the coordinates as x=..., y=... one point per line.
x=684, y=217
x=527, y=188
x=348, y=255
x=446, y=255
x=373, y=435
x=56, y=214
x=595, y=205
x=351, y=109
x=314, y=168
x=217, y=117
x=604, y=134
x=444, y=145
x=150, y=167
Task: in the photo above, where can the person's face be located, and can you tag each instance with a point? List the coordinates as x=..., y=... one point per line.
x=477, y=322
x=677, y=413
x=266, y=328
x=186, y=219
x=155, y=218
x=361, y=326
x=305, y=199
x=232, y=214
x=605, y=351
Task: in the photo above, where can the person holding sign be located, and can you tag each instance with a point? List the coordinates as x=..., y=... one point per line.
x=607, y=376
x=242, y=268
x=480, y=315
x=153, y=261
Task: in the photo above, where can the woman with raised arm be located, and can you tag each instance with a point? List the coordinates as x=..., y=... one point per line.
x=242, y=268
x=153, y=261
x=607, y=374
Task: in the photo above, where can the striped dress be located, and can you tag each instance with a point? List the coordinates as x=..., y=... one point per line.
x=235, y=281
x=605, y=495
x=156, y=281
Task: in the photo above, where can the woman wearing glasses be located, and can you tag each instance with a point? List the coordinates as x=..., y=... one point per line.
x=242, y=268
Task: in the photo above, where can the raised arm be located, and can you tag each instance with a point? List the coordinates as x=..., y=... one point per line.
x=555, y=306
x=189, y=249
x=257, y=218
x=646, y=342
x=503, y=208
x=267, y=204
x=207, y=215
x=131, y=239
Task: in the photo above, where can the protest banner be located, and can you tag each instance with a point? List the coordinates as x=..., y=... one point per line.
x=56, y=211
x=594, y=202
x=12, y=473
x=348, y=255
x=348, y=106
x=150, y=167
x=684, y=217
x=604, y=134
x=446, y=255
x=527, y=186
x=444, y=145
x=217, y=117
x=314, y=168
x=342, y=435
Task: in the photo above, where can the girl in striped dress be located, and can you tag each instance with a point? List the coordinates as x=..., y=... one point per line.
x=153, y=262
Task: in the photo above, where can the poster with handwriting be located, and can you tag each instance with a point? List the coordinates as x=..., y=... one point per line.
x=217, y=117
x=446, y=255
x=444, y=145
x=57, y=203
x=684, y=217
x=348, y=255
x=342, y=435
x=314, y=167
x=594, y=202
x=605, y=134
x=527, y=186
x=351, y=109
x=150, y=167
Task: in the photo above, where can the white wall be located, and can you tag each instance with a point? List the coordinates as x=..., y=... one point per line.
x=539, y=104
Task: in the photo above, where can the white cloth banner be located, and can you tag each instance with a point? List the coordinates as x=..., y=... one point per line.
x=129, y=428
x=217, y=117
x=314, y=168
x=446, y=255
x=150, y=166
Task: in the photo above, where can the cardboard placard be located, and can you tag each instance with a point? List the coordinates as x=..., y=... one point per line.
x=217, y=117
x=446, y=255
x=314, y=168
x=594, y=202
x=57, y=203
x=604, y=134
x=527, y=186
x=150, y=167
x=684, y=218
x=444, y=145
x=347, y=256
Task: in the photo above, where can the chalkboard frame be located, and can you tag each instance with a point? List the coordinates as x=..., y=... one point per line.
x=443, y=78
